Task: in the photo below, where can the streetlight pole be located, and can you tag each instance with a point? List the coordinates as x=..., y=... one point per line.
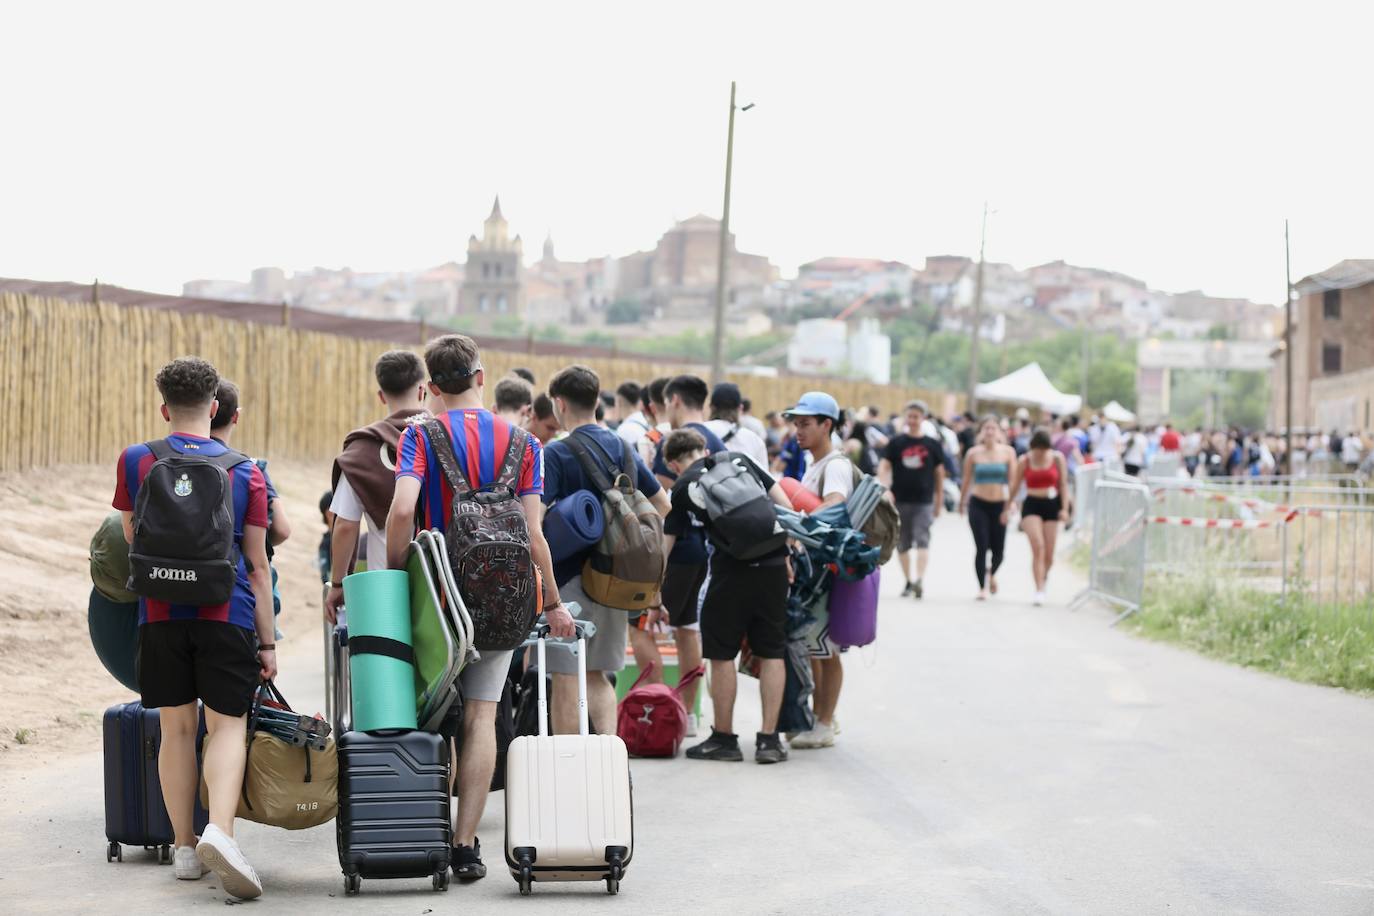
x=1288, y=350
x=977, y=317
x=718, y=346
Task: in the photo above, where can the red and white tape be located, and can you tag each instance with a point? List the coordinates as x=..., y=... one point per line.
x=1254, y=505
x=1225, y=524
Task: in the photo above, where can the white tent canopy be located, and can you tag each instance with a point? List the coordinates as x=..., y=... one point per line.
x=1029, y=386
x=1117, y=414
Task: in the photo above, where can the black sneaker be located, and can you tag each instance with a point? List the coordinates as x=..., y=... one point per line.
x=768, y=748
x=467, y=861
x=720, y=746
x=917, y=590
x=906, y=590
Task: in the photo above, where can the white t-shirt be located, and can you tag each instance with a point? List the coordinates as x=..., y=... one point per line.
x=1135, y=450
x=741, y=439
x=633, y=428
x=346, y=505
x=832, y=474
x=1351, y=449
x=1108, y=444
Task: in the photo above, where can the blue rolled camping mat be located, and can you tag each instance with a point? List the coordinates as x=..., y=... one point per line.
x=381, y=657
x=114, y=634
x=573, y=525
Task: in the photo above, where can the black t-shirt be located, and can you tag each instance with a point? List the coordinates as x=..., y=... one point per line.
x=685, y=511
x=968, y=437
x=914, y=460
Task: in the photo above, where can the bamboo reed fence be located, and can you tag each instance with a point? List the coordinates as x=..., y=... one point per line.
x=76, y=382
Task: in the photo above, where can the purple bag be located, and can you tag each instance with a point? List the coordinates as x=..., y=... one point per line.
x=854, y=610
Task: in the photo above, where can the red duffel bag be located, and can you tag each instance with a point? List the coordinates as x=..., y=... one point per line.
x=652, y=720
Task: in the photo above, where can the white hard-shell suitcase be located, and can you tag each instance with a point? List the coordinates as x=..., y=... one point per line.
x=569, y=812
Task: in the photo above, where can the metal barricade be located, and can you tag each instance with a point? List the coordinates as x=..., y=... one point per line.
x=1328, y=556
x=1166, y=465
x=1116, y=572
x=1084, y=481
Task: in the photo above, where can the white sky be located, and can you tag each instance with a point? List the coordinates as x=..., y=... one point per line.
x=151, y=143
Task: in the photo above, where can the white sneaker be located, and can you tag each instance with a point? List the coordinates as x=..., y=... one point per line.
x=692, y=725
x=821, y=736
x=1039, y=599
x=186, y=865
x=222, y=855
x=835, y=724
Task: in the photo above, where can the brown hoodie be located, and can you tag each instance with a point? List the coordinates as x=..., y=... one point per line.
x=369, y=460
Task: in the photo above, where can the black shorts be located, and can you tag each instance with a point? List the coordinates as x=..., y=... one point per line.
x=181, y=661
x=682, y=592
x=1045, y=507
x=745, y=600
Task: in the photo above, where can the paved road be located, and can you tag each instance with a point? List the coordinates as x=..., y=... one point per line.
x=996, y=758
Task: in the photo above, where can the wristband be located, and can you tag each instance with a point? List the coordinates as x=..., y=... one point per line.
x=269, y=647
x=333, y=584
x=558, y=603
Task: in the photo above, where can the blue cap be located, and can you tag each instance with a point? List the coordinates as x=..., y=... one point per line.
x=814, y=404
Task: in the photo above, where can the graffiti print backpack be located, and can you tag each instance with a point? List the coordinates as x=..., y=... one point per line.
x=489, y=545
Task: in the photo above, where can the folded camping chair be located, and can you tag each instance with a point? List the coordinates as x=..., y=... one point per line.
x=456, y=609
x=438, y=660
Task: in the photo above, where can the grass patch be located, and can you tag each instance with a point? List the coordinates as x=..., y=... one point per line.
x=1326, y=644
x=24, y=735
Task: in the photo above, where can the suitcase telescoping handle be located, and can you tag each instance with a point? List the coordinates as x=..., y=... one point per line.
x=582, y=726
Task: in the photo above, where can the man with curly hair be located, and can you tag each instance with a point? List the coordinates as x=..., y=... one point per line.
x=211, y=653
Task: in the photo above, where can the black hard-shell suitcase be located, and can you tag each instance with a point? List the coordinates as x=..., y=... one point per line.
x=134, y=811
x=394, y=807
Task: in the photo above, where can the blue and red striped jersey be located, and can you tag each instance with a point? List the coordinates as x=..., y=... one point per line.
x=480, y=439
x=249, y=492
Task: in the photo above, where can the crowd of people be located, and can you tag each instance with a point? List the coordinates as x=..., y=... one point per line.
x=658, y=440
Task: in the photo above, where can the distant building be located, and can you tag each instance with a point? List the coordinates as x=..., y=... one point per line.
x=1332, y=350
x=826, y=346
x=678, y=276
x=493, y=273
x=844, y=280
x=269, y=284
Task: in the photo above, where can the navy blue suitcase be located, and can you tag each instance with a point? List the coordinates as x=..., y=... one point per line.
x=135, y=814
x=394, y=807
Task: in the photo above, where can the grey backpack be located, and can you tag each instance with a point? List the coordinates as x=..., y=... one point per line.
x=741, y=520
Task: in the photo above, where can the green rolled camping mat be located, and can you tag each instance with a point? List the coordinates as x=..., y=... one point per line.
x=381, y=660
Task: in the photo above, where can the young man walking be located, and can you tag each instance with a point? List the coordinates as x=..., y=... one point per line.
x=222, y=427
x=634, y=425
x=214, y=653
x=831, y=477
x=745, y=598
x=688, y=570
x=542, y=423
x=575, y=392
x=478, y=440
x=364, y=473
x=913, y=470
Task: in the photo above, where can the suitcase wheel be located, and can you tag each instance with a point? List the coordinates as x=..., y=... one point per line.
x=612, y=886
x=352, y=884
x=526, y=880
x=441, y=880
x=114, y=852
x=164, y=855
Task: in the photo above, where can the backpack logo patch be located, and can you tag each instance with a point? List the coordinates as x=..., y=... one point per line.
x=183, y=486
x=175, y=575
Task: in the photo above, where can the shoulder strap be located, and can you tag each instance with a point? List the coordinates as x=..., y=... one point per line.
x=515, y=453
x=448, y=461
x=584, y=459
x=229, y=460
x=734, y=428
x=160, y=449
x=628, y=467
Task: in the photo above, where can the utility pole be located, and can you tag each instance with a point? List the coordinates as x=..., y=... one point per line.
x=1288, y=350
x=1085, y=358
x=718, y=347
x=977, y=317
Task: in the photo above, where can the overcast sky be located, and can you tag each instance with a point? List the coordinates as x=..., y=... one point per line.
x=148, y=143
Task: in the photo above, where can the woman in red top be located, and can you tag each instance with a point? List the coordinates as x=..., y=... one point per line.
x=1048, y=503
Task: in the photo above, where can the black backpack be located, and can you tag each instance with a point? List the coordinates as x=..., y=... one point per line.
x=741, y=520
x=489, y=545
x=184, y=551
